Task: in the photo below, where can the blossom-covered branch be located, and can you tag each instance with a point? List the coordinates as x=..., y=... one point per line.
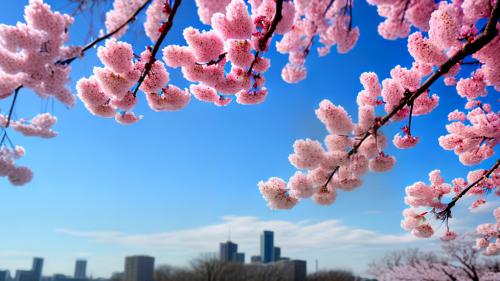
x=353, y=149
x=446, y=212
x=165, y=28
x=409, y=98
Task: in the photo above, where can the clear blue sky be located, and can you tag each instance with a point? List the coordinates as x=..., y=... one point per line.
x=173, y=184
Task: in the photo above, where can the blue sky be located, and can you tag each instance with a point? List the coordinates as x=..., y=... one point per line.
x=173, y=184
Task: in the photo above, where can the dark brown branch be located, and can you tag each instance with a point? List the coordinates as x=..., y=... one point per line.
x=407, y=4
x=212, y=62
x=269, y=33
x=489, y=33
x=255, y=58
x=446, y=213
x=106, y=36
x=9, y=117
x=164, y=31
x=274, y=24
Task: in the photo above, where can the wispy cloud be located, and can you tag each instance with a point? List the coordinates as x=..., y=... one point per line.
x=295, y=236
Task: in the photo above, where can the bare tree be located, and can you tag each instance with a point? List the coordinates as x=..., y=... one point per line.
x=457, y=261
x=332, y=275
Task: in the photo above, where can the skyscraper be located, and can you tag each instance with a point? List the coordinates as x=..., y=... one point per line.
x=139, y=268
x=80, y=269
x=267, y=246
x=4, y=275
x=227, y=251
x=37, y=268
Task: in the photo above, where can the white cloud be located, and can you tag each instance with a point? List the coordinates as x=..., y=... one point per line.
x=246, y=230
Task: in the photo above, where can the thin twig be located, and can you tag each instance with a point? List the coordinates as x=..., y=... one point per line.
x=106, y=36
x=212, y=62
x=446, y=212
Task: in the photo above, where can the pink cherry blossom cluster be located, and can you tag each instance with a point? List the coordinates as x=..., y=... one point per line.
x=473, y=142
x=108, y=93
x=401, y=15
x=29, y=53
x=426, y=199
x=237, y=37
x=121, y=12
x=350, y=153
x=490, y=232
x=17, y=175
x=330, y=21
x=207, y=8
x=156, y=15
x=39, y=126
x=353, y=149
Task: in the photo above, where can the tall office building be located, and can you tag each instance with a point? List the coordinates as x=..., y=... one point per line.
x=267, y=246
x=80, y=269
x=24, y=275
x=227, y=251
x=139, y=268
x=4, y=275
x=37, y=268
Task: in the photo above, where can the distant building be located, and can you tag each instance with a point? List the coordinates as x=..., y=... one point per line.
x=139, y=268
x=277, y=254
x=295, y=270
x=255, y=259
x=227, y=251
x=4, y=275
x=37, y=268
x=239, y=258
x=81, y=269
x=62, y=277
x=23, y=275
x=267, y=246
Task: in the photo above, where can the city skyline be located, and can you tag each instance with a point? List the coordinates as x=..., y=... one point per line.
x=173, y=184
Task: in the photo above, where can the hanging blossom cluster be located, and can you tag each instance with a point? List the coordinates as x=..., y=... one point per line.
x=107, y=93
x=423, y=199
x=17, y=175
x=401, y=15
x=32, y=55
x=29, y=53
x=490, y=232
x=237, y=39
x=120, y=14
x=353, y=149
x=329, y=20
x=39, y=126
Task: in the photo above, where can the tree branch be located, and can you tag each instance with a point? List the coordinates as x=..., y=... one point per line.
x=212, y=62
x=489, y=33
x=269, y=33
x=106, y=36
x=166, y=28
x=446, y=213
